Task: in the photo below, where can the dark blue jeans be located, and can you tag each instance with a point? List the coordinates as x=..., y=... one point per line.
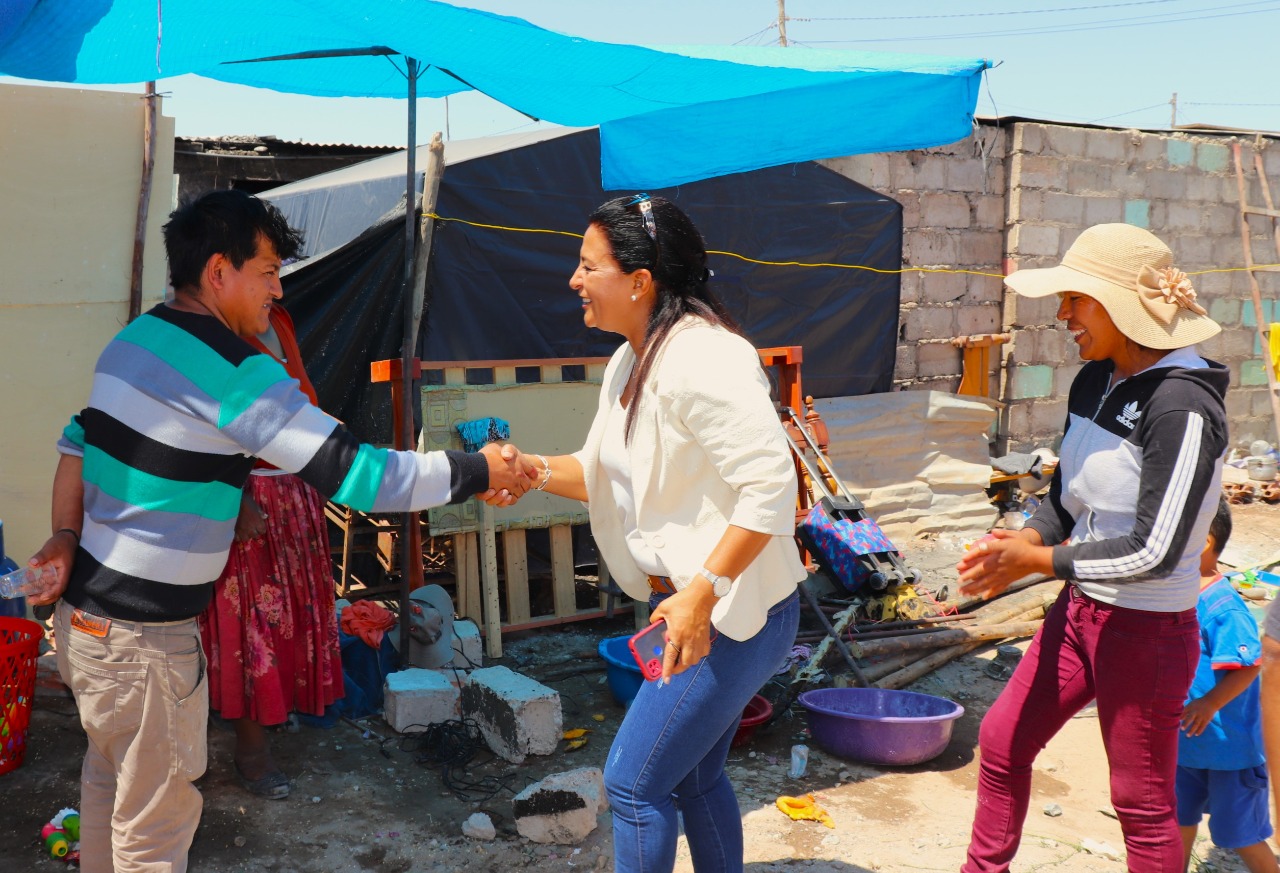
x=670, y=752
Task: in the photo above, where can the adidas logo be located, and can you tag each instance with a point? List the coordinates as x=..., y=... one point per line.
x=1130, y=414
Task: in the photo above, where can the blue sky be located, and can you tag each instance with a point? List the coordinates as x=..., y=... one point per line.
x=1090, y=61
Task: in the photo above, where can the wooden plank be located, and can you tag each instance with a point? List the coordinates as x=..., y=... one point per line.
x=489, y=583
x=602, y=581
x=562, y=586
x=515, y=569
x=511, y=362
x=466, y=561
x=1257, y=210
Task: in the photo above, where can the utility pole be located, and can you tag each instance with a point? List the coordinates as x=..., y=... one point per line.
x=782, y=22
x=1173, y=116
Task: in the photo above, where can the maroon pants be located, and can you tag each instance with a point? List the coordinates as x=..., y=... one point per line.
x=1139, y=666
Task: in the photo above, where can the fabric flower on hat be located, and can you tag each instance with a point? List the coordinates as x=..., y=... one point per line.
x=1164, y=292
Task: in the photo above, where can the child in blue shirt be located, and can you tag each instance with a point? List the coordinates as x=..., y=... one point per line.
x=1220, y=762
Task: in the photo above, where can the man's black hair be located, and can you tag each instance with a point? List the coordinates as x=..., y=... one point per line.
x=223, y=222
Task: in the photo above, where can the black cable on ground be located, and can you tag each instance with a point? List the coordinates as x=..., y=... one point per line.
x=451, y=748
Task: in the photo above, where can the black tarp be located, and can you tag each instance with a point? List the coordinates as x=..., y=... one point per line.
x=503, y=294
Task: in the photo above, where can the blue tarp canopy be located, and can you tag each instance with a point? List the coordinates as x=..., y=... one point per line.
x=666, y=115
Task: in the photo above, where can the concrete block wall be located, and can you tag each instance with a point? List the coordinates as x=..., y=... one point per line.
x=953, y=205
x=1183, y=188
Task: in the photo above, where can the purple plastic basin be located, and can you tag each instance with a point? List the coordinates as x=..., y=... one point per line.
x=879, y=726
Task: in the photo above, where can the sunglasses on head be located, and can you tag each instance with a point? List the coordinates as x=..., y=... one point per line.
x=650, y=223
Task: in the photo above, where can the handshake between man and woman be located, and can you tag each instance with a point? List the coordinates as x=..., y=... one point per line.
x=513, y=473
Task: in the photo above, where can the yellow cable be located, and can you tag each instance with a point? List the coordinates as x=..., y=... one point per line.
x=802, y=264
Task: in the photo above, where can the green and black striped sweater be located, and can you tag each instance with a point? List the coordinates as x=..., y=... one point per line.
x=179, y=410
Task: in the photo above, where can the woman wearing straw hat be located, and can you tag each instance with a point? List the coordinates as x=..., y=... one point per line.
x=1124, y=524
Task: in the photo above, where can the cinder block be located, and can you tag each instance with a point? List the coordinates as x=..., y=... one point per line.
x=1048, y=418
x=1065, y=141
x=870, y=170
x=931, y=248
x=942, y=209
x=562, y=808
x=943, y=287
x=1137, y=213
x=467, y=646
x=1212, y=157
x=937, y=359
x=416, y=698
x=1167, y=184
x=1105, y=145
x=977, y=319
x=1036, y=171
x=904, y=363
x=989, y=211
x=928, y=322
x=1193, y=251
x=517, y=716
x=1062, y=208
x=1226, y=312
x=968, y=174
x=1103, y=210
x=1028, y=137
x=1089, y=177
x=980, y=248
x=1179, y=152
x=1034, y=239
x=1259, y=404
x=1032, y=381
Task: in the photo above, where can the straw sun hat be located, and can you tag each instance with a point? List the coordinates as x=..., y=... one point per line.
x=1128, y=270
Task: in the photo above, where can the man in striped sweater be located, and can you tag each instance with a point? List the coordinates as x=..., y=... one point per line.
x=145, y=503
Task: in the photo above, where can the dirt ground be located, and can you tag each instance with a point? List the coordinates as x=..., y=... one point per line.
x=361, y=803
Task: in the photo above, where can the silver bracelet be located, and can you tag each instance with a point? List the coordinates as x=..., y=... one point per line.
x=546, y=473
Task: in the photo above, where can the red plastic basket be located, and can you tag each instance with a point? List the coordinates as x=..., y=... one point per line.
x=19, y=650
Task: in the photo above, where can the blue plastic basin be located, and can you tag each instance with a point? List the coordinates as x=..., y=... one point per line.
x=623, y=673
x=880, y=726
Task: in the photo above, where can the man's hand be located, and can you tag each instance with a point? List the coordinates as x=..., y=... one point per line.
x=508, y=476
x=60, y=551
x=251, y=523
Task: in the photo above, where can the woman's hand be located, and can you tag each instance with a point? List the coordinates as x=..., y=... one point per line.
x=251, y=523
x=1000, y=559
x=524, y=467
x=688, y=617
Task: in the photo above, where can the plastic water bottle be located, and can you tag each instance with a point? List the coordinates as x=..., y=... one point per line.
x=799, y=760
x=27, y=581
x=10, y=608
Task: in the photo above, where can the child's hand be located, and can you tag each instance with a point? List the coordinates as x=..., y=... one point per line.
x=1196, y=716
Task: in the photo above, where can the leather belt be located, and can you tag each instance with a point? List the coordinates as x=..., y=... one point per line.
x=661, y=585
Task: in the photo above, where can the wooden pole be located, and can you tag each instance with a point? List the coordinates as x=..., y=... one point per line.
x=144, y=198
x=782, y=23
x=1259, y=320
x=913, y=671
x=938, y=639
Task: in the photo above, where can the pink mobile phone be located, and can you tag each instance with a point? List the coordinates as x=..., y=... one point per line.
x=647, y=647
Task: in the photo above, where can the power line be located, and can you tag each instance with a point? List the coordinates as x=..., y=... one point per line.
x=1130, y=112
x=1230, y=104
x=1103, y=24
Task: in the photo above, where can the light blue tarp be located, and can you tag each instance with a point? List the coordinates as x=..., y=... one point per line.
x=666, y=116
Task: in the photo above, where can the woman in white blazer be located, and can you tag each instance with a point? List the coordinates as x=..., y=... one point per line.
x=691, y=490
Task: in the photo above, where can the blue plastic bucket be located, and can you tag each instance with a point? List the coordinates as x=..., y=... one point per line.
x=623, y=674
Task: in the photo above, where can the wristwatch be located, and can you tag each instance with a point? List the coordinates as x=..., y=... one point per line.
x=720, y=585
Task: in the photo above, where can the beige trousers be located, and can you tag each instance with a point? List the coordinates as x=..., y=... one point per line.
x=144, y=703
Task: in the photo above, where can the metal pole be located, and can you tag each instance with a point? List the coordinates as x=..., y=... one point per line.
x=404, y=438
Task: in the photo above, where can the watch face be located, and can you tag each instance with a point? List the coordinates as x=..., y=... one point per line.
x=720, y=585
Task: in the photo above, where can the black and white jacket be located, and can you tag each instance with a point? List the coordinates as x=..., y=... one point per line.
x=1136, y=485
